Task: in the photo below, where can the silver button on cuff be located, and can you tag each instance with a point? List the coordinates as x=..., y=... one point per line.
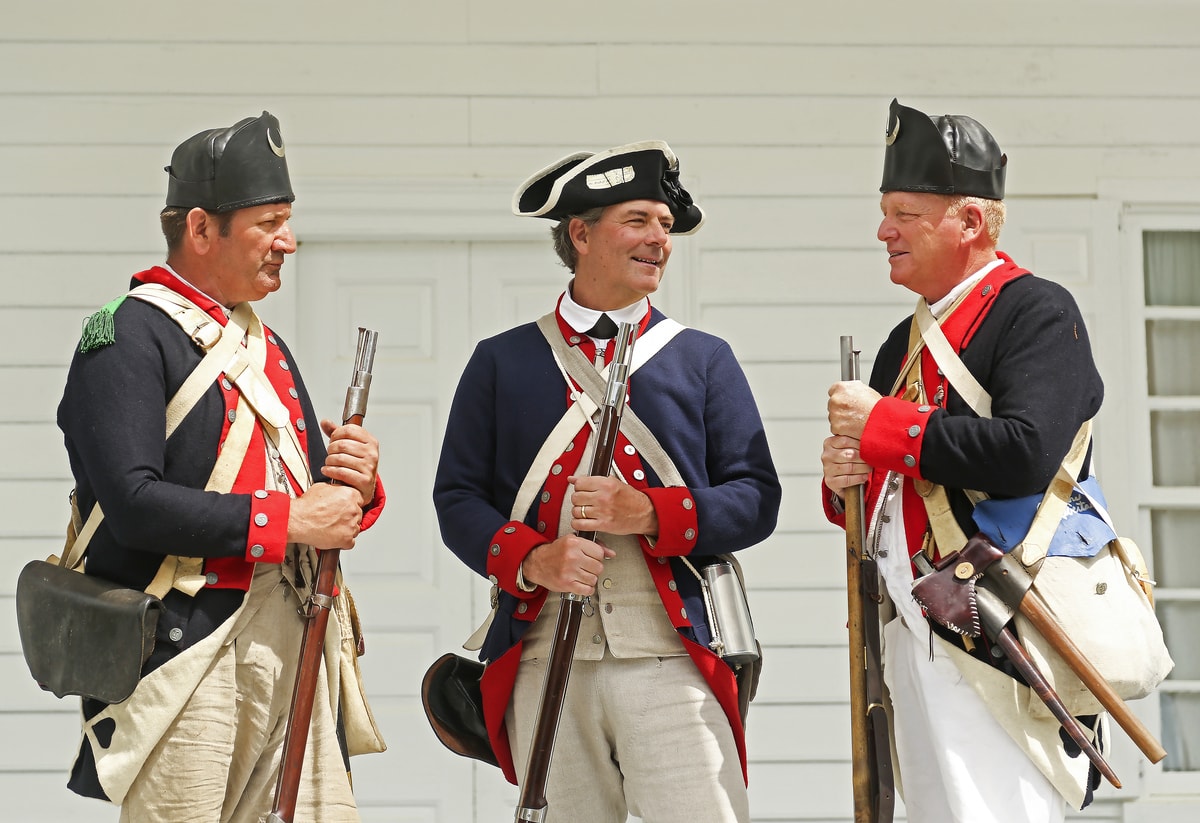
x=175, y=634
x=261, y=494
x=690, y=534
x=261, y=519
x=257, y=551
x=924, y=409
x=913, y=431
x=211, y=578
x=909, y=460
x=495, y=549
x=522, y=608
x=510, y=529
x=688, y=504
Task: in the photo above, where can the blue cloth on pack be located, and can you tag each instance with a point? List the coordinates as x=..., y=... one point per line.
x=1082, y=532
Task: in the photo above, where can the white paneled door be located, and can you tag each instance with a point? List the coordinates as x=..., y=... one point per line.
x=430, y=303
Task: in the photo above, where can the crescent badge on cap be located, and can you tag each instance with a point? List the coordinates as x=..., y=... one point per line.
x=276, y=148
x=893, y=129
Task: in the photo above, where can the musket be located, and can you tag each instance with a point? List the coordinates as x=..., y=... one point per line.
x=316, y=612
x=531, y=807
x=870, y=749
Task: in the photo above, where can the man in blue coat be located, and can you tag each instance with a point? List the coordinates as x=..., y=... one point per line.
x=651, y=723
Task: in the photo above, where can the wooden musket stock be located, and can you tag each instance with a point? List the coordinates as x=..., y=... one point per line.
x=870, y=750
x=531, y=808
x=317, y=610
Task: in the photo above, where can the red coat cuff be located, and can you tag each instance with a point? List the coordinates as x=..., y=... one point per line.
x=375, y=507
x=266, y=540
x=678, y=527
x=894, y=434
x=506, y=551
x=835, y=511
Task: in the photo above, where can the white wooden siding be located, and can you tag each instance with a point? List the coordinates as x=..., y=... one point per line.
x=410, y=123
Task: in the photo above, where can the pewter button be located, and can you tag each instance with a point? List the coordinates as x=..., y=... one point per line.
x=295, y=394
x=256, y=550
x=260, y=519
x=573, y=339
x=232, y=415
x=986, y=290
x=672, y=586
x=638, y=474
x=283, y=365
x=175, y=634
x=509, y=529
x=225, y=384
x=608, y=608
x=541, y=525
x=495, y=549
x=545, y=497
x=570, y=447
x=630, y=450
x=522, y=608
x=913, y=431
x=556, y=469
x=683, y=613
x=300, y=424
x=689, y=534
x=909, y=460
x=608, y=584
x=662, y=561
x=211, y=578
x=924, y=409
x=261, y=494
x=687, y=503
x=597, y=639
x=274, y=342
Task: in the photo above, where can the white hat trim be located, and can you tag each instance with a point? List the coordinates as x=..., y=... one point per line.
x=556, y=191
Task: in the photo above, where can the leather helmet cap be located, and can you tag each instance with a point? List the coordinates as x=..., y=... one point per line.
x=950, y=154
x=220, y=170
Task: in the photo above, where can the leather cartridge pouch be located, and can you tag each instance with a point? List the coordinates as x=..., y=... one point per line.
x=82, y=635
x=948, y=593
x=454, y=707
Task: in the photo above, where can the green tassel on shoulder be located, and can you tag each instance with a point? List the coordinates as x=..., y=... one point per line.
x=98, y=329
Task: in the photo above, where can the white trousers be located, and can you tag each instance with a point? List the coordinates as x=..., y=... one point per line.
x=219, y=761
x=644, y=736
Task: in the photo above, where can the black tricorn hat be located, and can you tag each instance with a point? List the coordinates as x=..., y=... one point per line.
x=950, y=154
x=648, y=170
x=220, y=170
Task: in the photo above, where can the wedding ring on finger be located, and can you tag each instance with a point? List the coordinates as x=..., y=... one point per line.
x=583, y=512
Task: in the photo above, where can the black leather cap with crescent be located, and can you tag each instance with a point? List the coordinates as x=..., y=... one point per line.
x=648, y=170
x=220, y=170
x=949, y=154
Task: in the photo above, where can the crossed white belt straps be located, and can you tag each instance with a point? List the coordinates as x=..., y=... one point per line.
x=242, y=365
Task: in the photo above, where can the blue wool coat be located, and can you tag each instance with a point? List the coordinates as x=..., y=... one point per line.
x=692, y=395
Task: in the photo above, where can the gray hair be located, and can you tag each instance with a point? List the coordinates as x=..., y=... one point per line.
x=564, y=247
x=994, y=212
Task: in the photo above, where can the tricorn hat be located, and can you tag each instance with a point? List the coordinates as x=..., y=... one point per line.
x=648, y=170
x=950, y=154
x=221, y=170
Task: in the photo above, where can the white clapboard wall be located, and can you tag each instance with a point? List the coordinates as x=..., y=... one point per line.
x=408, y=125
